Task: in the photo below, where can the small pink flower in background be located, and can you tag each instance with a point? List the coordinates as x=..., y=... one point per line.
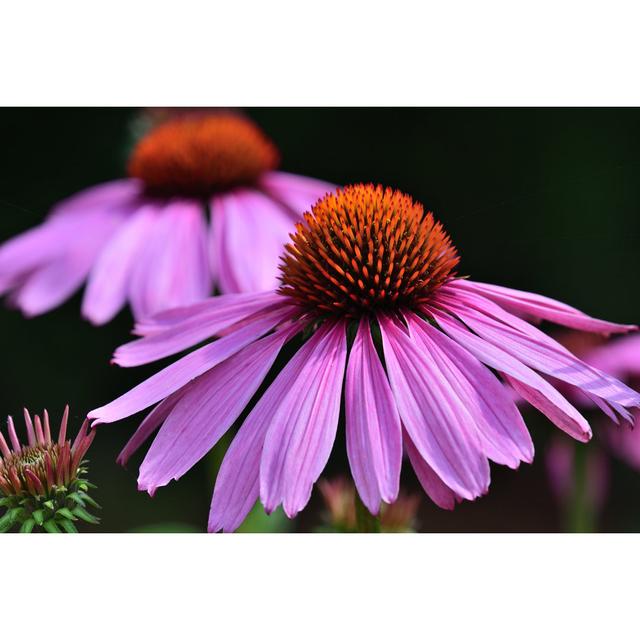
x=370, y=280
x=339, y=496
x=147, y=240
x=560, y=460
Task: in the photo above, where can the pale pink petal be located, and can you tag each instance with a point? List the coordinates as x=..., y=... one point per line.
x=437, y=490
x=502, y=431
x=299, y=193
x=108, y=283
x=433, y=414
x=181, y=372
x=541, y=308
x=536, y=389
x=173, y=269
x=249, y=233
x=374, y=436
x=191, y=332
x=52, y=283
x=206, y=411
x=67, y=227
x=619, y=358
x=302, y=407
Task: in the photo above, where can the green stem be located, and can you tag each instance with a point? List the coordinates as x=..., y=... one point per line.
x=580, y=514
x=365, y=522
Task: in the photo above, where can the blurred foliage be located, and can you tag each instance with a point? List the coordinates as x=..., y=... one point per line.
x=539, y=199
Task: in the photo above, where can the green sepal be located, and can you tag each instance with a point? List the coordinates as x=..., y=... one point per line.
x=51, y=527
x=78, y=497
x=90, y=501
x=27, y=526
x=6, y=502
x=49, y=504
x=83, y=514
x=65, y=513
x=68, y=526
x=5, y=523
x=38, y=516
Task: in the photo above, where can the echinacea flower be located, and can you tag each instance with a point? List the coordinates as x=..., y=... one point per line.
x=202, y=207
x=370, y=281
x=42, y=483
x=339, y=496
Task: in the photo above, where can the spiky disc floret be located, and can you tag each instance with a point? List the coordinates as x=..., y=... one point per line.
x=197, y=155
x=42, y=483
x=364, y=248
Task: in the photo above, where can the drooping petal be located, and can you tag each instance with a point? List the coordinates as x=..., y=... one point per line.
x=433, y=414
x=299, y=193
x=108, y=283
x=207, y=410
x=437, y=490
x=173, y=268
x=149, y=425
x=536, y=389
x=199, y=327
x=540, y=307
x=503, y=433
x=302, y=407
x=249, y=233
x=531, y=346
x=181, y=372
x=374, y=435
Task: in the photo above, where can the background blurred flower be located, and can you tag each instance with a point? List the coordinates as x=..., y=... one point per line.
x=42, y=482
x=369, y=262
x=340, y=498
x=146, y=240
x=573, y=478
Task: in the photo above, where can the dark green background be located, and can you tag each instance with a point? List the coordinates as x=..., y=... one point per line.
x=540, y=199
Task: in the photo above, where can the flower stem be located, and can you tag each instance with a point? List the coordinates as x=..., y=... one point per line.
x=580, y=512
x=365, y=522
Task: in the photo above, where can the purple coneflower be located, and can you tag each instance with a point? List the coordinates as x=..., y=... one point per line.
x=42, y=482
x=369, y=279
x=146, y=239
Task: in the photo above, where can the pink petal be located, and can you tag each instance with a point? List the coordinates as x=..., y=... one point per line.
x=52, y=283
x=299, y=193
x=108, y=282
x=531, y=346
x=433, y=414
x=67, y=227
x=181, y=372
x=541, y=308
x=503, y=434
x=619, y=358
x=199, y=327
x=302, y=407
x=172, y=270
x=172, y=317
x=149, y=425
x=249, y=234
x=374, y=436
x=437, y=490
x=536, y=389
x=205, y=412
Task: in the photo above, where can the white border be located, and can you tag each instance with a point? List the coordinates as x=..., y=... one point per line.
x=320, y=586
x=334, y=52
